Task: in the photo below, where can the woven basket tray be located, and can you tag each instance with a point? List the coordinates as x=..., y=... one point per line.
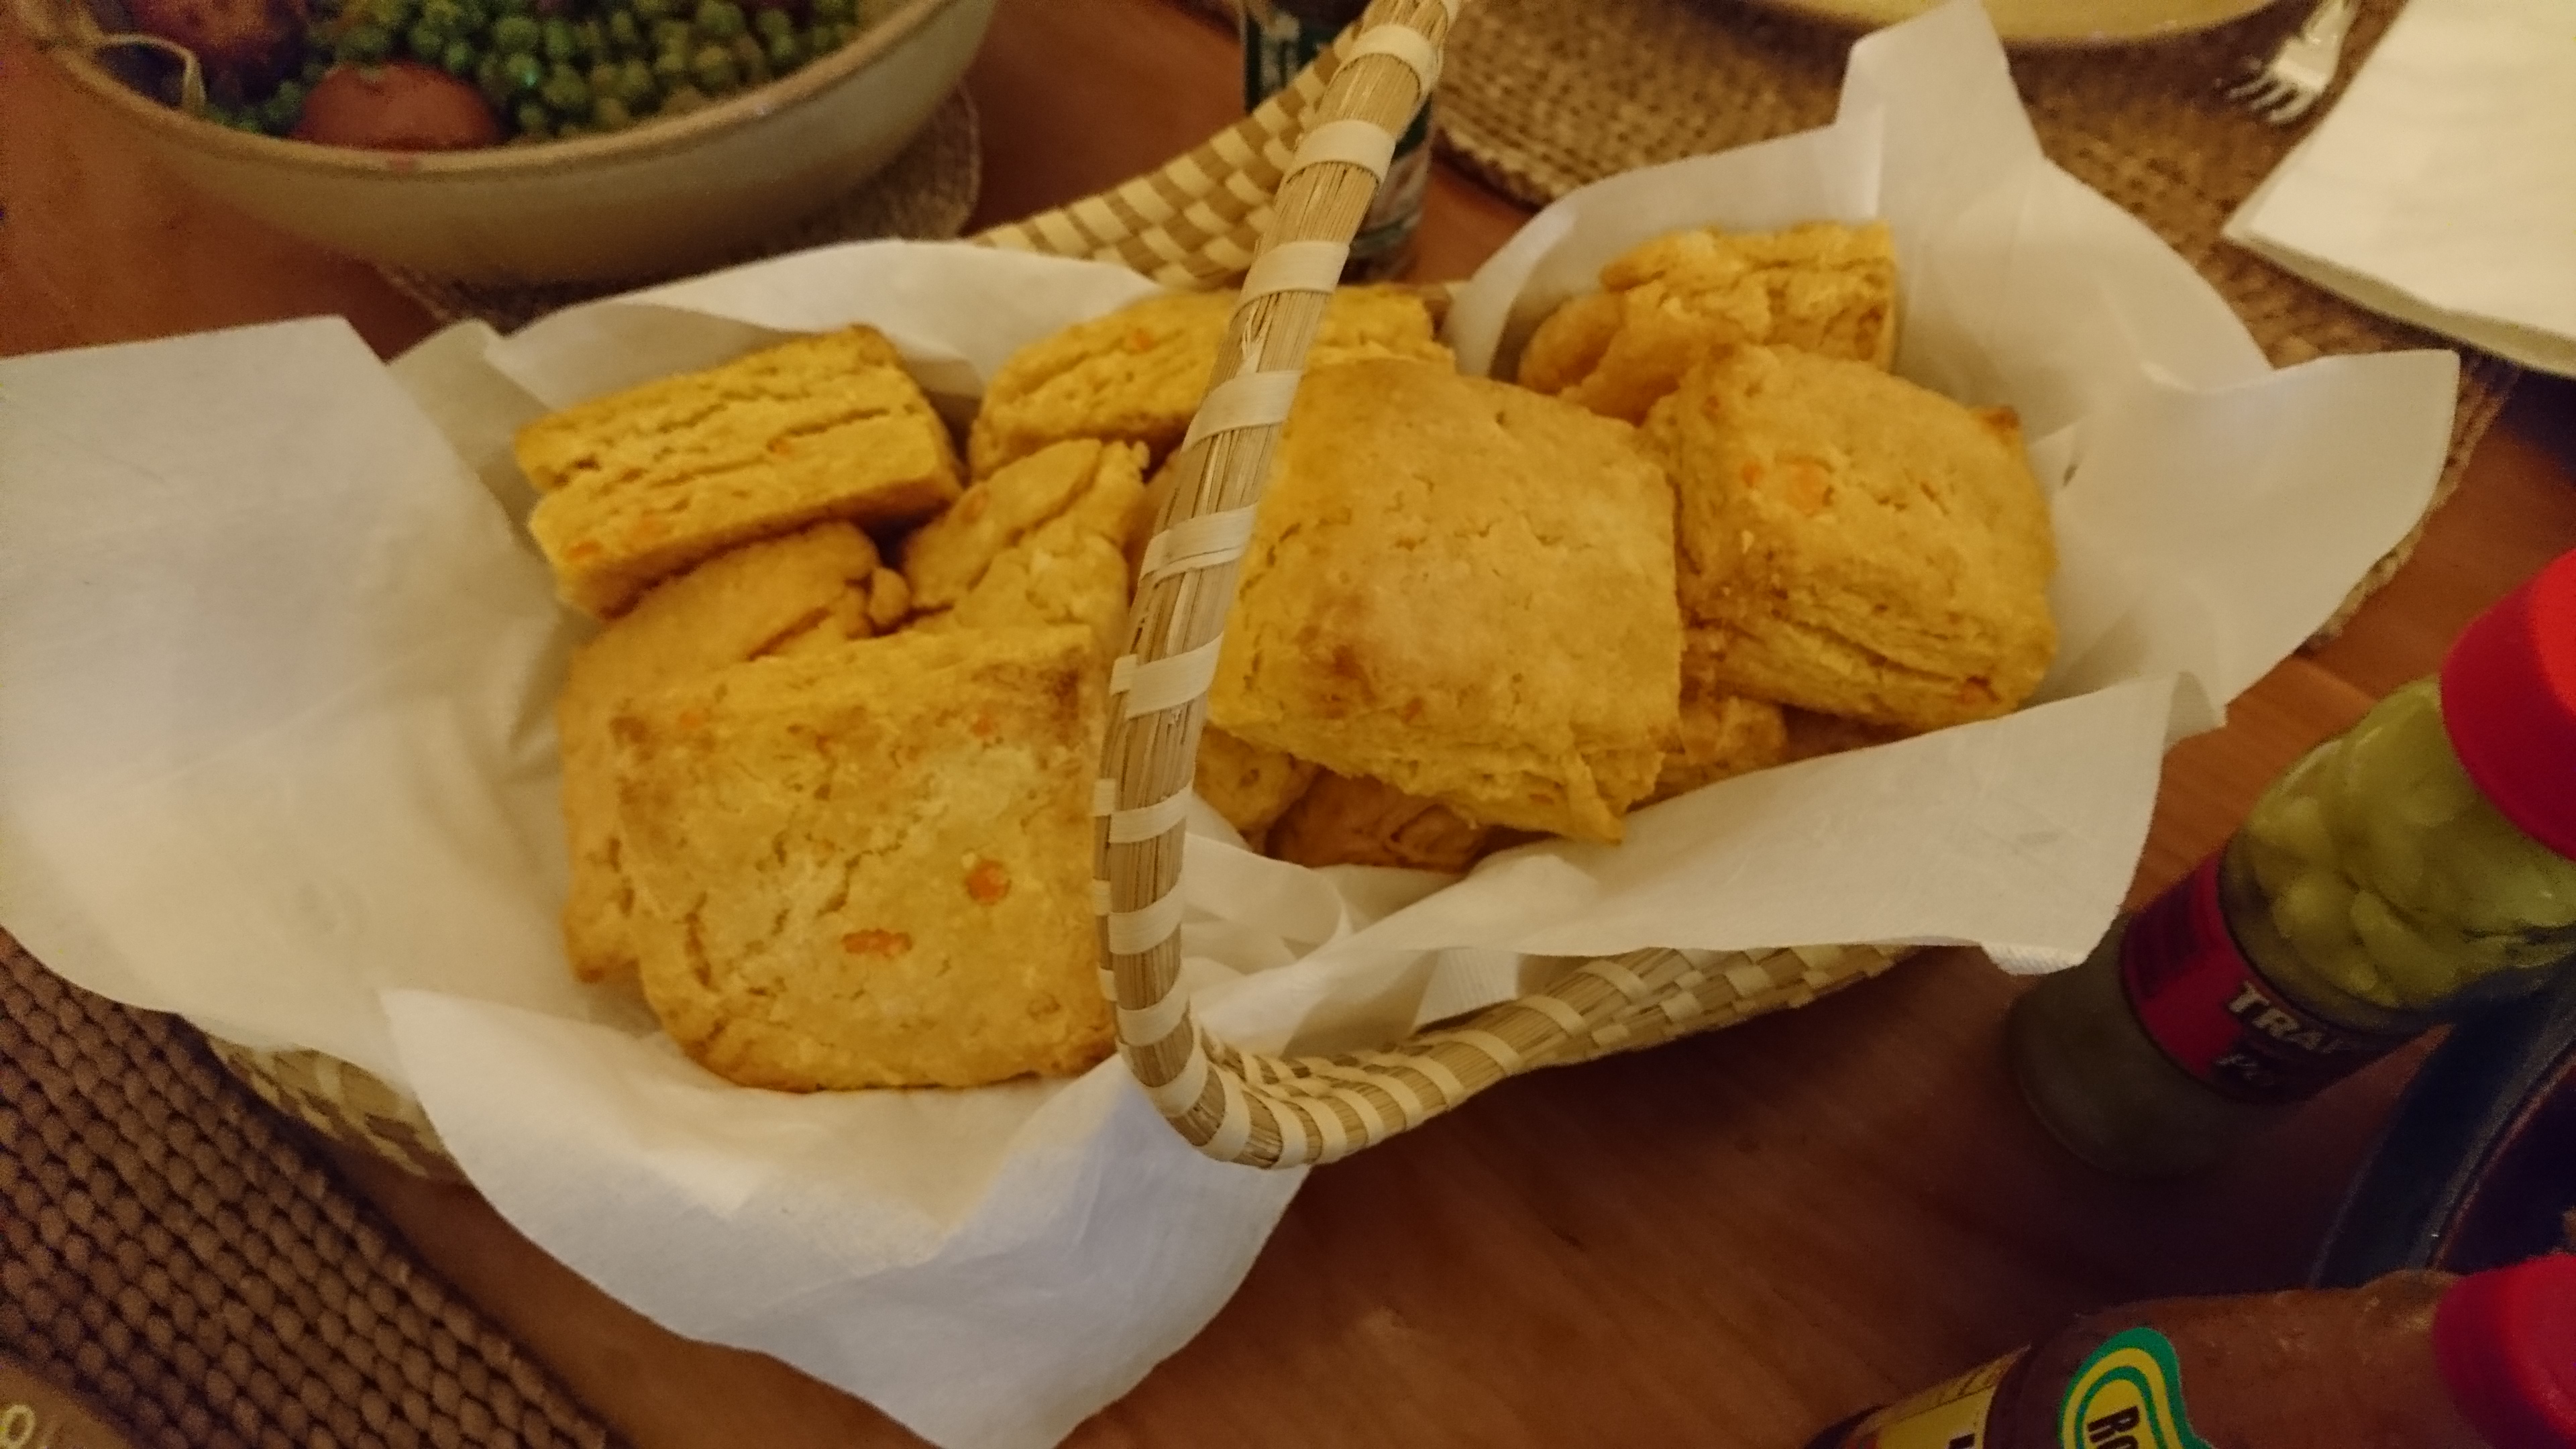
x=1272, y=201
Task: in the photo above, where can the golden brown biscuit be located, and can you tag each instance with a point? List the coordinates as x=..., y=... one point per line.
x=1346, y=821
x=1811, y=735
x=872, y=868
x=1049, y=546
x=643, y=483
x=1248, y=785
x=1139, y=373
x=1854, y=544
x=1462, y=589
x=812, y=589
x=1823, y=287
x=1722, y=735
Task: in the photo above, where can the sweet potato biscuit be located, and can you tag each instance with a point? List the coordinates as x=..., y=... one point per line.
x=643, y=483
x=1348, y=821
x=1823, y=287
x=1048, y=544
x=818, y=588
x=872, y=868
x=1854, y=544
x=1138, y=374
x=1722, y=735
x=1249, y=785
x=1464, y=590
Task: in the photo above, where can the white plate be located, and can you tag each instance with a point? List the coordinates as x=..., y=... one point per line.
x=2068, y=23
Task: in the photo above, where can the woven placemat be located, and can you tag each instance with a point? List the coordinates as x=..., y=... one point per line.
x=926, y=194
x=169, y=1250
x=1543, y=96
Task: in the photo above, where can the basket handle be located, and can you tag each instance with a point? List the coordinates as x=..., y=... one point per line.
x=1235, y=1106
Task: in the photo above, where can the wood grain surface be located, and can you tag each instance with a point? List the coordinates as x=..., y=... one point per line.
x=1725, y=1242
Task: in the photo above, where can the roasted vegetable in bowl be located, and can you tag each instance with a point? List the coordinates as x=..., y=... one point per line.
x=413, y=75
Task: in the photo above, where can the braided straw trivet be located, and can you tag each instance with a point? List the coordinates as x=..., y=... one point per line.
x=169, y=1251
x=924, y=194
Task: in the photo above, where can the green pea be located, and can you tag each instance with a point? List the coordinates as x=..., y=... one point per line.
x=636, y=85
x=714, y=70
x=315, y=69
x=833, y=11
x=458, y=59
x=517, y=34
x=671, y=68
x=750, y=59
x=394, y=15
x=426, y=43
x=523, y=73
x=560, y=46
x=649, y=11
x=670, y=35
x=625, y=33
x=279, y=113
x=608, y=113
x=680, y=100
x=365, y=44
x=769, y=21
x=786, y=52
x=719, y=19
x=533, y=120
x=473, y=18
x=566, y=93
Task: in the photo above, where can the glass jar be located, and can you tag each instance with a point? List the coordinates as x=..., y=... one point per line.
x=2417, y=1358
x=2417, y=868
x=1280, y=38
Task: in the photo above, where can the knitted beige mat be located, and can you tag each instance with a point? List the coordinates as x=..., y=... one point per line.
x=171, y=1252
x=926, y=193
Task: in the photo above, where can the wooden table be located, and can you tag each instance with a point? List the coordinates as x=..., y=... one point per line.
x=1725, y=1242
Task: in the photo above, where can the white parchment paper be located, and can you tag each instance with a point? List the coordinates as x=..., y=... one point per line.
x=276, y=667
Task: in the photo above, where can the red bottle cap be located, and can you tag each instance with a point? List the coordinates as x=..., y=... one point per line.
x=2509, y=705
x=2505, y=1341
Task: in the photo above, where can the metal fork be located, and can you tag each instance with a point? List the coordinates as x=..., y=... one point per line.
x=2297, y=76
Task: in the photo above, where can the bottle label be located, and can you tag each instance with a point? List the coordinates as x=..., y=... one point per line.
x=1277, y=44
x=1950, y=1415
x=2128, y=1395
x=2207, y=1007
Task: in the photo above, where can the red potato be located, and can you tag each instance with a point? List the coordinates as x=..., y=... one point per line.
x=398, y=106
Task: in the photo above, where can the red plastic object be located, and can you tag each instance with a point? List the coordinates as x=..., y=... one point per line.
x=2505, y=1341
x=2509, y=705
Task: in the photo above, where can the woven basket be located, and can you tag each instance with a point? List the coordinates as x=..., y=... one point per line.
x=1272, y=201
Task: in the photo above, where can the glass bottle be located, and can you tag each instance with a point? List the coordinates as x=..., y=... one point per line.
x=1280, y=37
x=2413, y=1360
x=2419, y=867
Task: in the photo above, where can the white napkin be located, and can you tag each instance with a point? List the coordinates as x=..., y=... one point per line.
x=2441, y=189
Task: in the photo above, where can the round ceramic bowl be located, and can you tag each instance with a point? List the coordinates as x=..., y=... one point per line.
x=661, y=198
